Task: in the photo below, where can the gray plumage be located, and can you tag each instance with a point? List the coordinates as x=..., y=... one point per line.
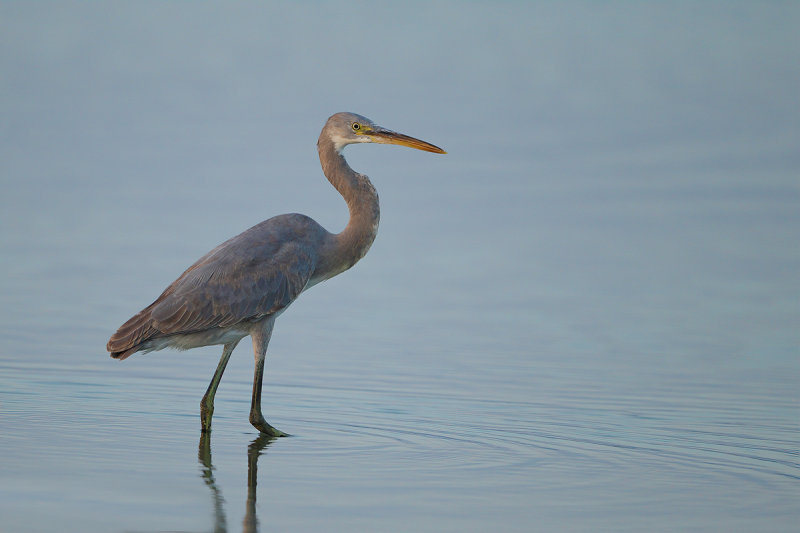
x=255, y=274
x=242, y=285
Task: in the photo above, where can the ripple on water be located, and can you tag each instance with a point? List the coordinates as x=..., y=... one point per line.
x=720, y=439
x=592, y=441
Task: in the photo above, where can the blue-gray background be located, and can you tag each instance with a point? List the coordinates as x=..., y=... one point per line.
x=583, y=318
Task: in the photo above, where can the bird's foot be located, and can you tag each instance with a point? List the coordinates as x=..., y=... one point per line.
x=260, y=424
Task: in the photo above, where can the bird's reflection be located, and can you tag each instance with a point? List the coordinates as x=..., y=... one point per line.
x=254, y=451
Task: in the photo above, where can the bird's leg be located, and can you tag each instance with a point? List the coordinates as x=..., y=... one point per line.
x=261, y=338
x=256, y=418
x=207, y=403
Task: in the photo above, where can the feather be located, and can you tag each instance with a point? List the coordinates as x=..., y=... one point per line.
x=255, y=274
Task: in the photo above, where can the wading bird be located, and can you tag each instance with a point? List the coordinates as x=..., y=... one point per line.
x=240, y=287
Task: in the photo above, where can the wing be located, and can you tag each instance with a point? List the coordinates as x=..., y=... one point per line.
x=255, y=274
x=234, y=287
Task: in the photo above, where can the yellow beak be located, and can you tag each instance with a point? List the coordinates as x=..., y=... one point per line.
x=383, y=136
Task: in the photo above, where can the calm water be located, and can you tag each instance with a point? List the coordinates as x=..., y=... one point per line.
x=583, y=318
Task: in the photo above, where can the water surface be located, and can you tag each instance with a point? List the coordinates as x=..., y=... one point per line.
x=583, y=318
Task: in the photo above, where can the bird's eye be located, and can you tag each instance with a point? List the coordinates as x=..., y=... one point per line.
x=356, y=126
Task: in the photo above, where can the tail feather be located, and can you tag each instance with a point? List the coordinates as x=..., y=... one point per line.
x=131, y=335
x=125, y=354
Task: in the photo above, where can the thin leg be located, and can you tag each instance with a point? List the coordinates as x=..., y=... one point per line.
x=261, y=338
x=207, y=403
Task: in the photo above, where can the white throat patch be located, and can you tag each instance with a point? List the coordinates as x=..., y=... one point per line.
x=339, y=142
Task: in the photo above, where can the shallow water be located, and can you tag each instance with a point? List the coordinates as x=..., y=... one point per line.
x=583, y=318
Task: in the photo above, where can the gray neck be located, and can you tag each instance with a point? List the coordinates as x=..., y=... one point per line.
x=362, y=200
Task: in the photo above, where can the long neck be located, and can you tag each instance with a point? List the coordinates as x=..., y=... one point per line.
x=362, y=200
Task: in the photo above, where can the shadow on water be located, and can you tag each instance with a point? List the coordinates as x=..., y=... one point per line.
x=254, y=451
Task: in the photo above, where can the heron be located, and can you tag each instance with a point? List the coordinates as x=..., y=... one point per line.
x=240, y=287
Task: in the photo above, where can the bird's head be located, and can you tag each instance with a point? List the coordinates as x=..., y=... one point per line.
x=349, y=128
